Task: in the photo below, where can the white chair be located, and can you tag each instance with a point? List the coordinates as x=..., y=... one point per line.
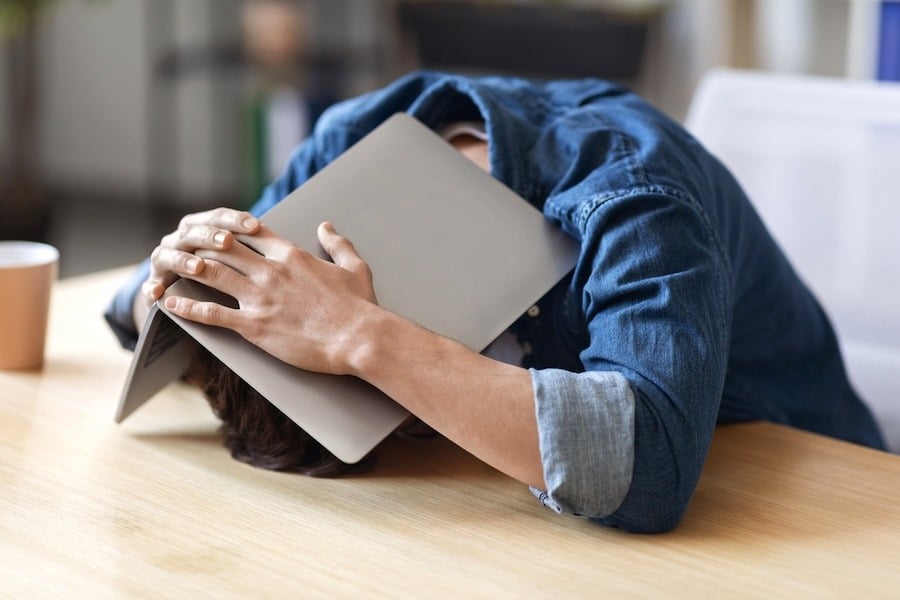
x=820, y=158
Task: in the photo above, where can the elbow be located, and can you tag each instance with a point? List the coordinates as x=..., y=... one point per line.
x=651, y=504
x=664, y=477
x=634, y=468
x=670, y=448
x=660, y=516
x=659, y=495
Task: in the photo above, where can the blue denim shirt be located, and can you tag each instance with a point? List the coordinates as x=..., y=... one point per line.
x=681, y=313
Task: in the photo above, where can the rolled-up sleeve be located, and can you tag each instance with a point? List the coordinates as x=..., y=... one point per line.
x=586, y=434
x=624, y=443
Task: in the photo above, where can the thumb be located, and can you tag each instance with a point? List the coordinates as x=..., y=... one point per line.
x=339, y=248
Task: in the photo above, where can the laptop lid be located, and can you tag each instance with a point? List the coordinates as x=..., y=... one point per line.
x=450, y=248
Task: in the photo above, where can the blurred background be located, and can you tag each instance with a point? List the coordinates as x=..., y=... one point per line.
x=119, y=116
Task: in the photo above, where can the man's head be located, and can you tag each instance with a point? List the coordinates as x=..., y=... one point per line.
x=255, y=431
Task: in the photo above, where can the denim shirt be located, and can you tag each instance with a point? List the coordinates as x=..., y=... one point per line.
x=681, y=312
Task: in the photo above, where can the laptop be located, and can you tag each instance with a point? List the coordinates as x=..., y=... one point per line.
x=450, y=248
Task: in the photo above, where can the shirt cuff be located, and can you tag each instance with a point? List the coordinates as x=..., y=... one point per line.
x=586, y=434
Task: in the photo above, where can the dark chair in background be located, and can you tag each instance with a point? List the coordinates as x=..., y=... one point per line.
x=536, y=40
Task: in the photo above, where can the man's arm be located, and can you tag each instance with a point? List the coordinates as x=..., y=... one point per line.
x=323, y=316
x=484, y=406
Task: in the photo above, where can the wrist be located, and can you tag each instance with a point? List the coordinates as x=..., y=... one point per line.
x=374, y=332
x=140, y=308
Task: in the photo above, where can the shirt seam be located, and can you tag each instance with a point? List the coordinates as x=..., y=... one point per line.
x=590, y=207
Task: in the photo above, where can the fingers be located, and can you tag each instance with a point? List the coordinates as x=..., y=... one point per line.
x=213, y=229
x=266, y=242
x=208, y=313
x=340, y=249
x=239, y=256
x=190, y=237
x=210, y=230
x=226, y=219
x=166, y=265
x=153, y=289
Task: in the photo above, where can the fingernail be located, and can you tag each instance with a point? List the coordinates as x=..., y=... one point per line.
x=219, y=238
x=171, y=303
x=193, y=265
x=250, y=223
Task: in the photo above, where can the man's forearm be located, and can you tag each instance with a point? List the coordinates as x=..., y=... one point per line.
x=484, y=406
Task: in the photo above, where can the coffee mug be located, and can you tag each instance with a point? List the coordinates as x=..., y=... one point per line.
x=27, y=273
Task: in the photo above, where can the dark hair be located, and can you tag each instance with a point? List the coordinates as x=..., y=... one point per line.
x=255, y=431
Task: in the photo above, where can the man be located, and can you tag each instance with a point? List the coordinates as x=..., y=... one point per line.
x=681, y=311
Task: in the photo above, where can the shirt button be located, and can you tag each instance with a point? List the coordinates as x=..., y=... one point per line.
x=534, y=311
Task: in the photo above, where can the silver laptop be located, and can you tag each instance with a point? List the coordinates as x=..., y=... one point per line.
x=450, y=248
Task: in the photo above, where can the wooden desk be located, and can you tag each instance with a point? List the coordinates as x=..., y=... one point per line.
x=156, y=507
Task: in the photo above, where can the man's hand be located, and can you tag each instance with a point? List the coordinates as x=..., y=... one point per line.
x=174, y=256
x=210, y=230
x=306, y=311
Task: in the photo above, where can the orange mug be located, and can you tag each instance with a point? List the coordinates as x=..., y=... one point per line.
x=27, y=273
